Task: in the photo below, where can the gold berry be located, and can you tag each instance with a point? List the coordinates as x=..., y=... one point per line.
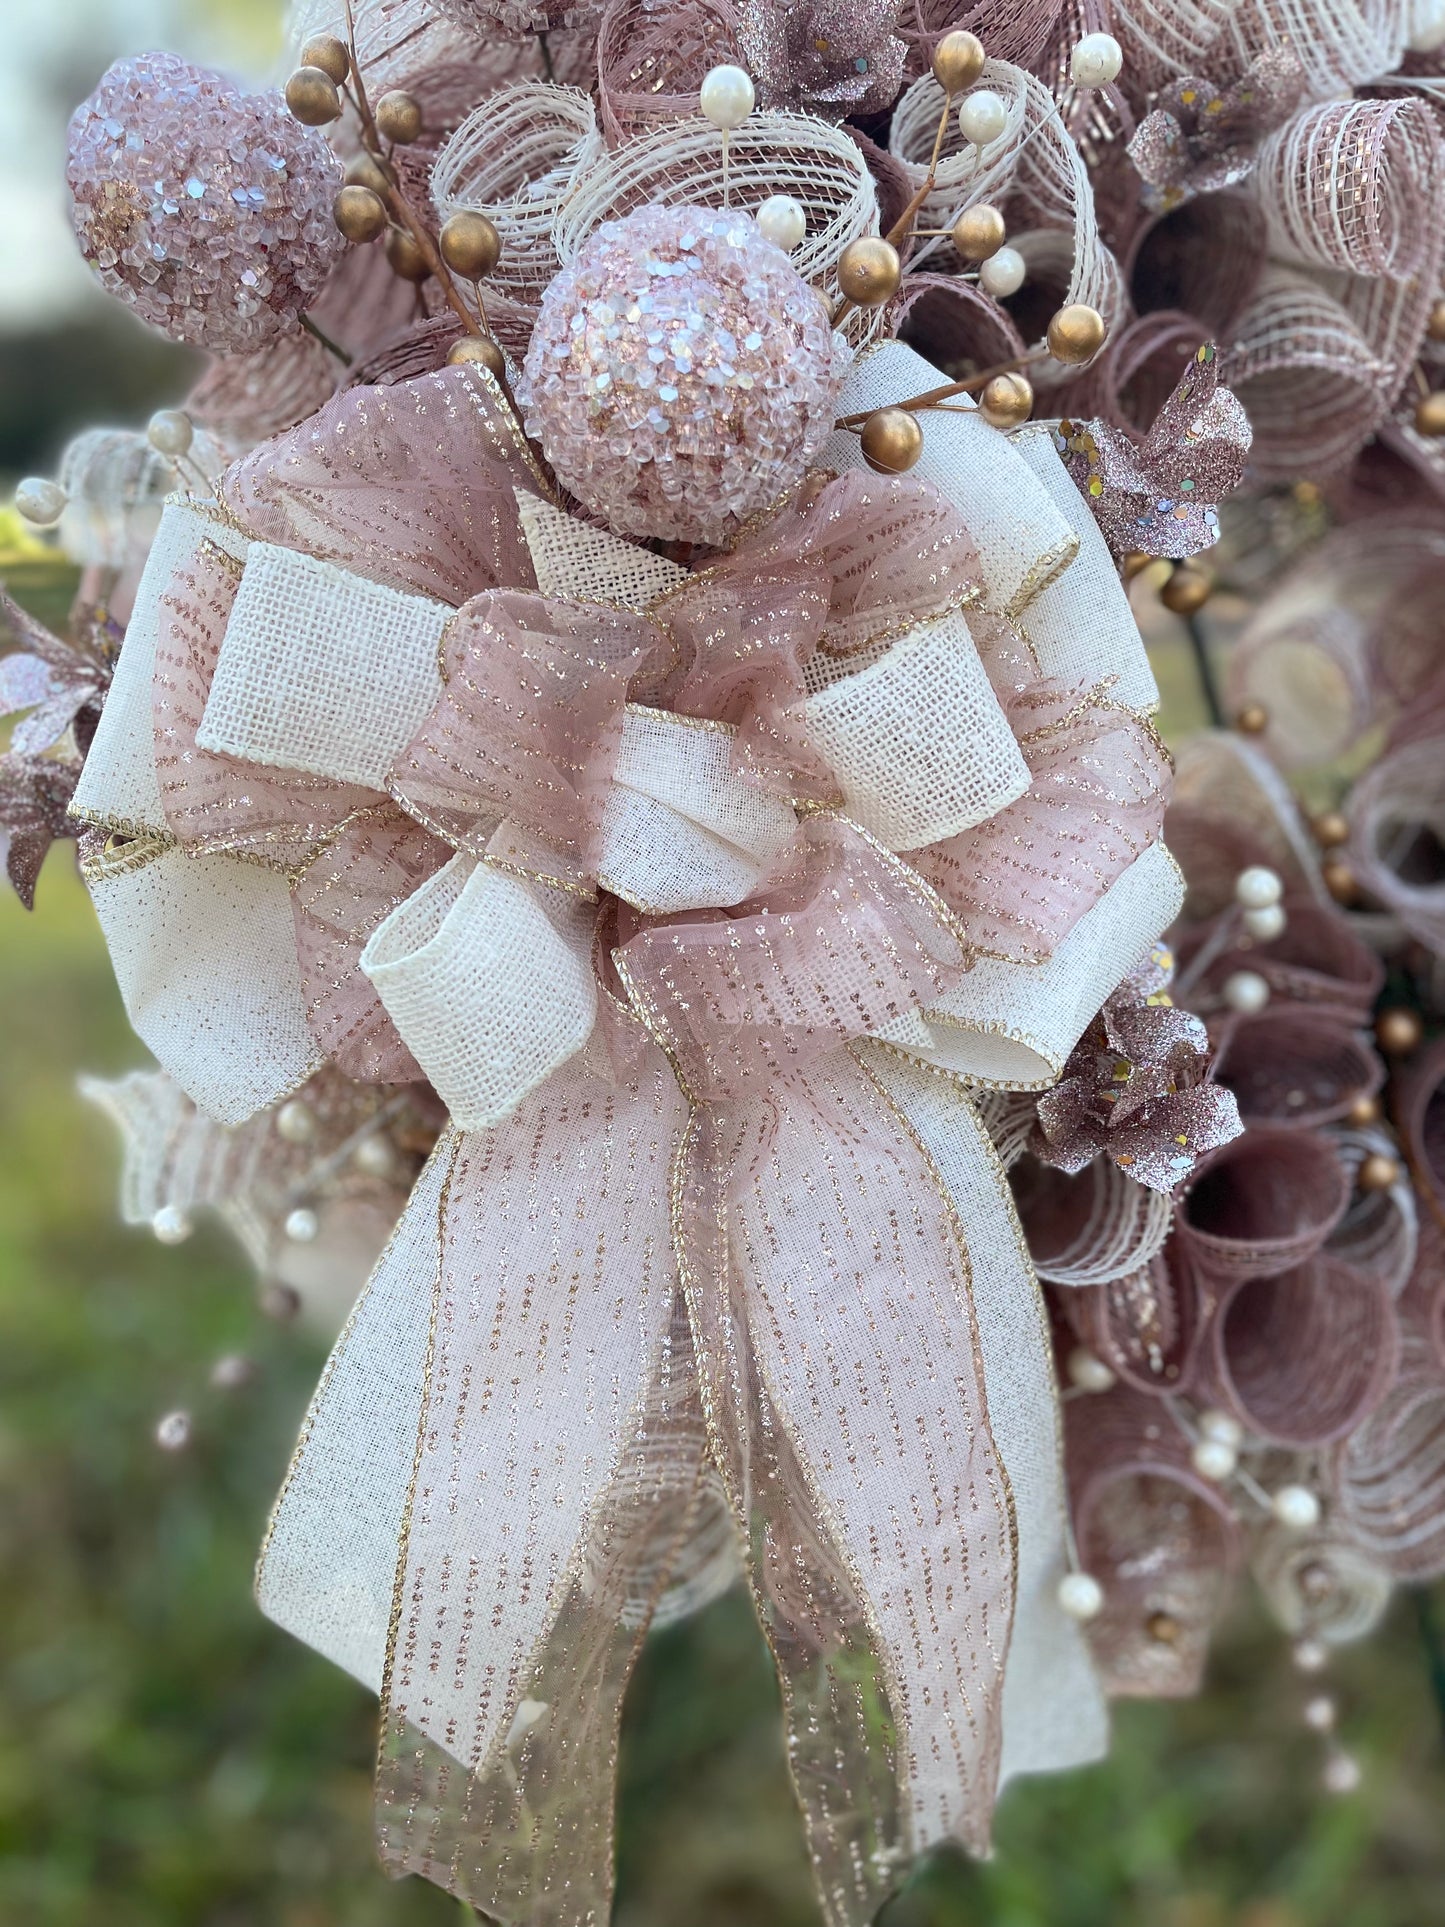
x=367, y=171
x=1430, y=414
x=398, y=117
x=325, y=51
x=406, y=256
x=1252, y=720
x=1163, y=1628
x=1186, y=591
x=979, y=232
x=1007, y=401
x=1364, y=1110
x=1398, y=1031
x=470, y=245
x=1331, y=828
x=958, y=61
x=869, y=271
x=1377, y=1172
x=1076, y=333
x=312, y=97
x=1136, y=563
x=478, y=348
x=892, y=440
x=359, y=213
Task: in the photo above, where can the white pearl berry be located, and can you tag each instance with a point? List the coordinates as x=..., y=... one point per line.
x=529, y=1713
x=1088, y=1373
x=302, y=1226
x=170, y=432
x=1003, y=273
x=783, y=221
x=1342, y=1773
x=231, y=1371
x=40, y=502
x=1247, y=992
x=171, y=1226
x=982, y=117
x=1214, y=1460
x=1320, y=1713
x=1257, y=887
x=1296, y=1506
x=727, y=97
x=295, y=1122
x=1223, y=1426
x=1266, y=924
x=373, y=1156
x=1311, y=1655
x=173, y=1432
x=1096, y=60
x=1080, y=1596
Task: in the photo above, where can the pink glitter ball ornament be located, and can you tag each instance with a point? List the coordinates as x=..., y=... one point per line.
x=205, y=209
x=682, y=374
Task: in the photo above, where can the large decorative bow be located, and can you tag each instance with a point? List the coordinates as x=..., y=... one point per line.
x=701, y=899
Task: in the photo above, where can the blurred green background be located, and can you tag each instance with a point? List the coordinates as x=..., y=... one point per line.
x=167, y=1758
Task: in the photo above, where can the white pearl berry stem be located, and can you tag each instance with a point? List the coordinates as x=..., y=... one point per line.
x=1080, y=1596
x=40, y=502
x=1246, y=992
x=727, y=97
x=783, y=221
x=1097, y=60
x=1257, y=887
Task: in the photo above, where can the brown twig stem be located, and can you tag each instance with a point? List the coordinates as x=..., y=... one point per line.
x=933, y=397
x=327, y=343
x=397, y=203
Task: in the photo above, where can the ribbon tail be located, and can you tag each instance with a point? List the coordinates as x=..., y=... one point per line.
x=1054, y=1711
x=840, y=1730
x=553, y=1306
x=878, y=1513
x=514, y=1406
x=528, y=1835
x=327, y=1565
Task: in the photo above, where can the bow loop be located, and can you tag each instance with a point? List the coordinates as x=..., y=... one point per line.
x=856, y=944
x=413, y=485
x=528, y=723
x=365, y=872
x=841, y=569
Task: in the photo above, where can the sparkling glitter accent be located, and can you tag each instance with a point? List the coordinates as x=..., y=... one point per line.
x=682, y=375
x=1136, y=1088
x=833, y=56
x=206, y=210
x=1160, y=497
x=1201, y=139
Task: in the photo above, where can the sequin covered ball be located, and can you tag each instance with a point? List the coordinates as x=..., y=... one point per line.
x=682, y=374
x=205, y=209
